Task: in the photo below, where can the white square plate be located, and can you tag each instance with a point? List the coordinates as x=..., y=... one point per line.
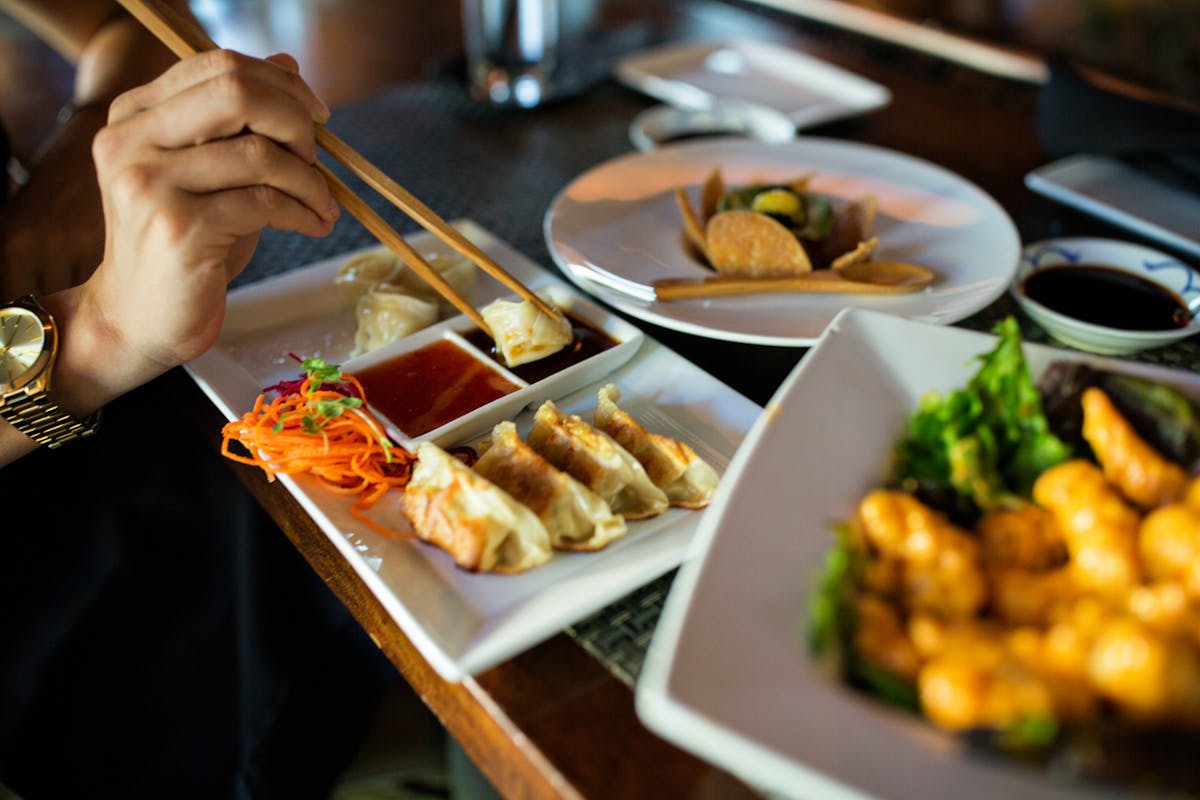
x=463, y=622
x=1118, y=193
x=806, y=89
x=729, y=675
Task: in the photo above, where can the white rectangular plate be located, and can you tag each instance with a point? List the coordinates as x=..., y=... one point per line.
x=806, y=89
x=729, y=676
x=1120, y=194
x=462, y=622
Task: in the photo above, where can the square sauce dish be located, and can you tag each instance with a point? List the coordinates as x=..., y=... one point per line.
x=448, y=384
x=434, y=385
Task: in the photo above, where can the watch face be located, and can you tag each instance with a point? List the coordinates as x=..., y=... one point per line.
x=22, y=338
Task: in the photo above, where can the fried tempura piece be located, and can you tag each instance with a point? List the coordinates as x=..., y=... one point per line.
x=941, y=572
x=879, y=637
x=1144, y=476
x=1151, y=678
x=1025, y=538
x=1166, y=608
x=1099, y=528
x=968, y=690
x=1021, y=597
x=1169, y=543
x=981, y=674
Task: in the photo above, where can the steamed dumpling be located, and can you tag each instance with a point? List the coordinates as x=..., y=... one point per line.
x=523, y=333
x=575, y=516
x=687, y=479
x=379, y=266
x=457, y=269
x=479, y=524
x=363, y=272
x=596, y=461
x=386, y=314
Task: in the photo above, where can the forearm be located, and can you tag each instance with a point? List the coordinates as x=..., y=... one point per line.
x=113, y=53
x=120, y=55
x=66, y=25
x=84, y=29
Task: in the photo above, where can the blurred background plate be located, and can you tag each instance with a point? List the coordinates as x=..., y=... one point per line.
x=616, y=228
x=806, y=89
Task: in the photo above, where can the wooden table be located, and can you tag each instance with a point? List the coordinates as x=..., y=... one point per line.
x=554, y=721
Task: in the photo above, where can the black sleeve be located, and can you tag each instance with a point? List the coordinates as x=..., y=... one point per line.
x=5, y=152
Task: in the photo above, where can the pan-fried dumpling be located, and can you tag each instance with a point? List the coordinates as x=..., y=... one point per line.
x=687, y=479
x=575, y=517
x=596, y=461
x=469, y=517
x=523, y=333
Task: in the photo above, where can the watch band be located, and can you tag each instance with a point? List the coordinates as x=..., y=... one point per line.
x=42, y=420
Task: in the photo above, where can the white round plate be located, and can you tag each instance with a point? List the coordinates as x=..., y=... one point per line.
x=616, y=228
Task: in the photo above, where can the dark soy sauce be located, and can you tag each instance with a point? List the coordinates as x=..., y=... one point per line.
x=1107, y=296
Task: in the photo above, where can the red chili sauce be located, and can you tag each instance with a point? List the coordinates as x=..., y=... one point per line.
x=586, y=342
x=428, y=387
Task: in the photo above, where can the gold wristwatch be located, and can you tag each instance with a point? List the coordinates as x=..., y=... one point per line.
x=28, y=347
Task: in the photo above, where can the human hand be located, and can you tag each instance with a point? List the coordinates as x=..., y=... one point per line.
x=192, y=167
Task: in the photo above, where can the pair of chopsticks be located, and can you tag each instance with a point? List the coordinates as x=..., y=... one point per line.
x=185, y=38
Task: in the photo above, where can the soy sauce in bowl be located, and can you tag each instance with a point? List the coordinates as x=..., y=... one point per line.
x=1107, y=296
x=587, y=341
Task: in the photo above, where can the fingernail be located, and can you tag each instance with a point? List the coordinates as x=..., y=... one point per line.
x=323, y=112
x=335, y=210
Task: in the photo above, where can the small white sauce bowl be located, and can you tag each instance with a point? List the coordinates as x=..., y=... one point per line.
x=1143, y=262
x=658, y=126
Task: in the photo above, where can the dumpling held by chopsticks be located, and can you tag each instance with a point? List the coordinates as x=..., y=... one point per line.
x=523, y=333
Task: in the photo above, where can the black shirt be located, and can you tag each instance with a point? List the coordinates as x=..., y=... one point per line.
x=5, y=152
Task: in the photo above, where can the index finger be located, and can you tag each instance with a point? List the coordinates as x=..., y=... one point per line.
x=211, y=64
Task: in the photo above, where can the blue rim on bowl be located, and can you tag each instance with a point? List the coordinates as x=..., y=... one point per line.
x=1143, y=262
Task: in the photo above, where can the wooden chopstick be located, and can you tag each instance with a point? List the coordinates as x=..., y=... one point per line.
x=396, y=243
x=185, y=38
x=423, y=215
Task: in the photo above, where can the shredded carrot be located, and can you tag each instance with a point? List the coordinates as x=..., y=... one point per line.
x=327, y=434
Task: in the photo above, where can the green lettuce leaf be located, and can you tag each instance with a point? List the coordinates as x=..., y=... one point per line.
x=983, y=445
